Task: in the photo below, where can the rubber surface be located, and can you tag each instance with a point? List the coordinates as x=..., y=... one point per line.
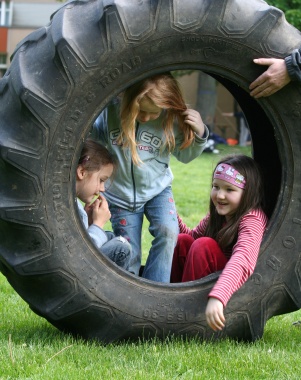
x=60, y=78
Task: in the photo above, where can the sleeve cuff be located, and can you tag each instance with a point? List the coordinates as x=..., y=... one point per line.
x=205, y=134
x=293, y=65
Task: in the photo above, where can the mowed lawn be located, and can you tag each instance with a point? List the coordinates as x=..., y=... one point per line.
x=31, y=348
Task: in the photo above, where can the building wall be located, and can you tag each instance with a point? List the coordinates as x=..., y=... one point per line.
x=224, y=126
x=3, y=39
x=24, y=18
x=33, y=15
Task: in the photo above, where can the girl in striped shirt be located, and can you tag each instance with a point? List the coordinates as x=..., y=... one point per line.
x=229, y=236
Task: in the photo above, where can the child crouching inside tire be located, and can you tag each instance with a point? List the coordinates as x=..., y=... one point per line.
x=229, y=236
x=95, y=166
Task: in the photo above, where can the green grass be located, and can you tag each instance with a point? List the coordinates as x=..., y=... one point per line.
x=31, y=348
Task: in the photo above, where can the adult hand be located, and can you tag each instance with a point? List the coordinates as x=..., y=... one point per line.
x=215, y=314
x=193, y=118
x=272, y=80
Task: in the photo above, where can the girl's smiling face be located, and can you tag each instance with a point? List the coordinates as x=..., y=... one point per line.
x=90, y=184
x=225, y=197
x=147, y=111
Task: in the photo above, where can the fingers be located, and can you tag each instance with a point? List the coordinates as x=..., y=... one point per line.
x=101, y=203
x=215, y=314
x=88, y=207
x=193, y=118
x=263, y=77
x=97, y=202
x=264, y=86
x=216, y=322
x=101, y=198
x=101, y=213
x=264, y=61
x=272, y=80
x=262, y=89
x=258, y=81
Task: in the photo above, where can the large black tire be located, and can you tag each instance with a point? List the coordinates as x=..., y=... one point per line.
x=60, y=78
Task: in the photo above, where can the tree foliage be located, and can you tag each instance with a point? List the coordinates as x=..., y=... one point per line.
x=291, y=9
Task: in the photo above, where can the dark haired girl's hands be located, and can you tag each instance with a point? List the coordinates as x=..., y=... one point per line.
x=101, y=213
x=215, y=314
x=89, y=211
x=193, y=118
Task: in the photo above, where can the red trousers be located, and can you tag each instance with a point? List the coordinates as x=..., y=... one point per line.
x=194, y=259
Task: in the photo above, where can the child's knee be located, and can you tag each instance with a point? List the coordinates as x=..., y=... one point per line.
x=205, y=242
x=123, y=240
x=185, y=239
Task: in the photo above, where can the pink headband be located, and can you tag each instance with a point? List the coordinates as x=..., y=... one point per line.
x=229, y=174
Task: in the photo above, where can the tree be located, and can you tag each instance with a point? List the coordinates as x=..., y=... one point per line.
x=291, y=9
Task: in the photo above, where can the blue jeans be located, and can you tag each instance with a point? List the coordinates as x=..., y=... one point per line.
x=162, y=216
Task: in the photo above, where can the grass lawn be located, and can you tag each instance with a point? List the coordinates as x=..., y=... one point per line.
x=31, y=348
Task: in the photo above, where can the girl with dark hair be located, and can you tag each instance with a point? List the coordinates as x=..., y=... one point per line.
x=95, y=167
x=150, y=123
x=229, y=236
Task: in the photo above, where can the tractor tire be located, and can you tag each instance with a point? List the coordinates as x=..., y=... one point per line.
x=61, y=76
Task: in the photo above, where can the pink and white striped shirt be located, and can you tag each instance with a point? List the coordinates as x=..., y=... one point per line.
x=244, y=253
